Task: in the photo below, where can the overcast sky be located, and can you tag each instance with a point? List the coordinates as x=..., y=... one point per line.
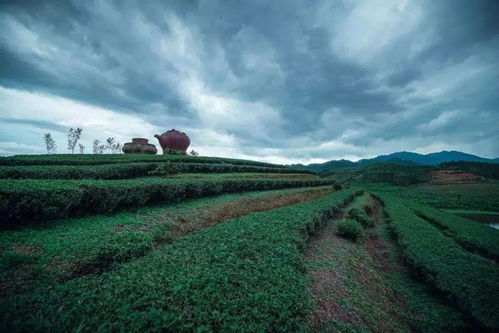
x=280, y=81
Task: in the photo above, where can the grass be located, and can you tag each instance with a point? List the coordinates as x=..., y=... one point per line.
x=245, y=274
x=69, y=248
x=467, y=278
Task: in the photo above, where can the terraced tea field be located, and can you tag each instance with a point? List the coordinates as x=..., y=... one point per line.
x=153, y=243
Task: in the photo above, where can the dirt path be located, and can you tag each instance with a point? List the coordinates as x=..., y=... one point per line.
x=199, y=218
x=347, y=286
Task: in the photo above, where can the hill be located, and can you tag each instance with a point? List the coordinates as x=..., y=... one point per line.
x=159, y=243
x=404, y=158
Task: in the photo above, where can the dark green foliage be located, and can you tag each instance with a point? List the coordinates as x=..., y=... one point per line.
x=58, y=250
x=30, y=200
x=89, y=159
x=349, y=229
x=469, y=279
x=127, y=170
x=170, y=168
x=393, y=173
x=473, y=236
x=487, y=170
x=361, y=217
x=477, y=196
x=242, y=275
x=107, y=171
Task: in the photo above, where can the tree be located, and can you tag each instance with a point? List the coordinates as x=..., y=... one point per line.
x=49, y=143
x=193, y=153
x=110, y=145
x=82, y=148
x=73, y=137
x=98, y=148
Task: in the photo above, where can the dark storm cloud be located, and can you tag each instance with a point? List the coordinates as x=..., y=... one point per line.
x=326, y=79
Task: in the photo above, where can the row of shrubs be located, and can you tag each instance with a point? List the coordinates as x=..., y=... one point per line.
x=91, y=159
x=30, y=200
x=353, y=228
x=473, y=236
x=244, y=275
x=127, y=170
x=470, y=280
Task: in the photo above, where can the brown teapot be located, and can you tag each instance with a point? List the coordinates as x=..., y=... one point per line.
x=173, y=141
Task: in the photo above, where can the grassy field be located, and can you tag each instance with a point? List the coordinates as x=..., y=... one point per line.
x=152, y=243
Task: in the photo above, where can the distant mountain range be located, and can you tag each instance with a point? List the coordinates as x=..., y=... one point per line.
x=403, y=157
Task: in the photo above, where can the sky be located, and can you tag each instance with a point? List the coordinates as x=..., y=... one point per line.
x=277, y=81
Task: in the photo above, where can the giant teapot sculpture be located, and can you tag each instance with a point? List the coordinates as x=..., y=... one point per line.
x=173, y=142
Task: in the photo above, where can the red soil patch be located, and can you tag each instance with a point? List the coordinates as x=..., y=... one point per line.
x=452, y=176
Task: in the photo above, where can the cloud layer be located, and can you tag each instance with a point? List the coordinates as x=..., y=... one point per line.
x=282, y=81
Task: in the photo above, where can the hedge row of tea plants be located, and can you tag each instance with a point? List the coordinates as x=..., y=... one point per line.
x=469, y=279
x=72, y=247
x=30, y=200
x=128, y=170
x=92, y=159
x=474, y=236
x=244, y=275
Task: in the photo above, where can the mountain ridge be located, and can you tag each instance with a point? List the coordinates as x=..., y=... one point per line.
x=403, y=157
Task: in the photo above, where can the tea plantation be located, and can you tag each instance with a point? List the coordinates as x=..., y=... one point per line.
x=181, y=244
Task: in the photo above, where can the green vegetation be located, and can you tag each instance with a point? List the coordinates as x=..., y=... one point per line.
x=361, y=217
x=211, y=244
x=245, y=274
x=94, y=159
x=68, y=248
x=482, y=196
x=487, y=170
x=128, y=170
x=393, y=173
x=426, y=310
x=468, y=278
x=349, y=229
x=29, y=200
x=473, y=236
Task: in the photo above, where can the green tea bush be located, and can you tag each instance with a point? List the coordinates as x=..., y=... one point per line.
x=473, y=236
x=361, y=217
x=469, y=279
x=244, y=275
x=31, y=200
x=129, y=170
x=92, y=159
x=349, y=229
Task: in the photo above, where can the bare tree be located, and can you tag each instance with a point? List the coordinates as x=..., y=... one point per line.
x=193, y=153
x=117, y=148
x=98, y=148
x=81, y=148
x=110, y=145
x=49, y=143
x=73, y=137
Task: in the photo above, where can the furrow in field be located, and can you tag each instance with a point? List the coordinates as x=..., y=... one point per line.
x=364, y=286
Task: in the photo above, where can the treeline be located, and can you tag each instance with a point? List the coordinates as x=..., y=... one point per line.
x=487, y=170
